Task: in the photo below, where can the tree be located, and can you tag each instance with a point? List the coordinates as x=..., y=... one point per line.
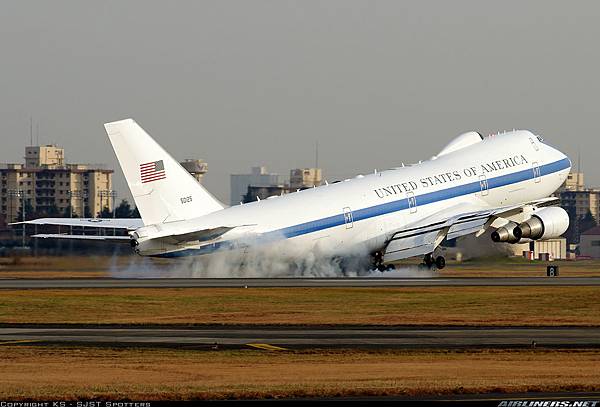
x=123, y=210
x=586, y=222
x=135, y=213
x=29, y=212
x=578, y=225
x=572, y=233
x=105, y=213
x=52, y=211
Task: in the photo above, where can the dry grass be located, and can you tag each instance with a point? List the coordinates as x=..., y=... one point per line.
x=486, y=306
x=159, y=374
x=61, y=266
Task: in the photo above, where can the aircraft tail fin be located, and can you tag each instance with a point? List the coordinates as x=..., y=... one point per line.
x=162, y=189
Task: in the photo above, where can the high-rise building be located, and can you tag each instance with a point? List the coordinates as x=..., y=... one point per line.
x=195, y=167
x=45, y=184
x=259, y=177
x=48, y=155
x=261, y=184
x=264, y=192
x=579, y=203
x=301, y=178
x=574, y=182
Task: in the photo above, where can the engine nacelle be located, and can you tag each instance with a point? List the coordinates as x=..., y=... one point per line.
x=510, y=233
x=547, y=223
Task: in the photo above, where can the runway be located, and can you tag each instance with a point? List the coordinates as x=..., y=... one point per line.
x=270, y=339
x=295, y=282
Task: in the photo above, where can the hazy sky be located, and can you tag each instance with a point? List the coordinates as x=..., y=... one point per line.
x=240, y=83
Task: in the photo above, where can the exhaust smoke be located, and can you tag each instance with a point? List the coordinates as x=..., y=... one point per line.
x=277, y=259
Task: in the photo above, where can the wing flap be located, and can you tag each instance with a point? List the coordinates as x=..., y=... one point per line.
x=413, y=245
x=466, y=227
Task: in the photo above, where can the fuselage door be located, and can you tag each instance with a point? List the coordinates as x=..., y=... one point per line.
x=412, y=201
x=483, y=184
x=348, y=218
x=537, y=173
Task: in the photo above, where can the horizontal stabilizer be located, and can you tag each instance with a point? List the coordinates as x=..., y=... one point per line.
x=122, y=223
x=121, y=239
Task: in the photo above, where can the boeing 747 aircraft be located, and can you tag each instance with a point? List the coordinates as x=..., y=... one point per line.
x=475, y=183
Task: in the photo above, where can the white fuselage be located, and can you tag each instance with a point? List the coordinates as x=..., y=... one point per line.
x=338, y=218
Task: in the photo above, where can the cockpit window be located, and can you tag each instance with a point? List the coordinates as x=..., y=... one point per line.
x=535, y=146
x=540, y=138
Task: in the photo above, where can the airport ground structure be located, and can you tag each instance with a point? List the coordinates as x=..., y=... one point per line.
x=589, y=244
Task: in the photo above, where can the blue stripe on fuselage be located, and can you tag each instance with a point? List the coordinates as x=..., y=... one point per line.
x=383, y=209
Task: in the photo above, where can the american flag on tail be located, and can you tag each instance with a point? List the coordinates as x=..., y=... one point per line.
x=152, y=171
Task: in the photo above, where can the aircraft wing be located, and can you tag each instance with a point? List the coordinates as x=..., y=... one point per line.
x=109, y=223
x=425, y=235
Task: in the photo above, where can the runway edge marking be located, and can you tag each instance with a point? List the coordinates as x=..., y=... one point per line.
x=20, y=341
x=265, y=346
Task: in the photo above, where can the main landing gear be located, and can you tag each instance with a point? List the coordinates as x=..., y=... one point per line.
x=378, y=263
x=429, y=260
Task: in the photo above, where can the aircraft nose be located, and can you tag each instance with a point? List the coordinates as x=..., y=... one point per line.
x=560, y=156
x=565, y=165
x=563, y=156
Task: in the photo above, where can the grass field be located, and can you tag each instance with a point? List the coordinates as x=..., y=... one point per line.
x=486, y=306
x=520, y=267
x=158, y=374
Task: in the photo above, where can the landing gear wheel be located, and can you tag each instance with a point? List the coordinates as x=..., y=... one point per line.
x=440, y=262
x=377, y=261
x=390, y=267
x=428, y=260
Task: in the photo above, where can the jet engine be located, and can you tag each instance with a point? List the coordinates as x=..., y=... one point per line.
x=510, y=233
x=547, y=223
